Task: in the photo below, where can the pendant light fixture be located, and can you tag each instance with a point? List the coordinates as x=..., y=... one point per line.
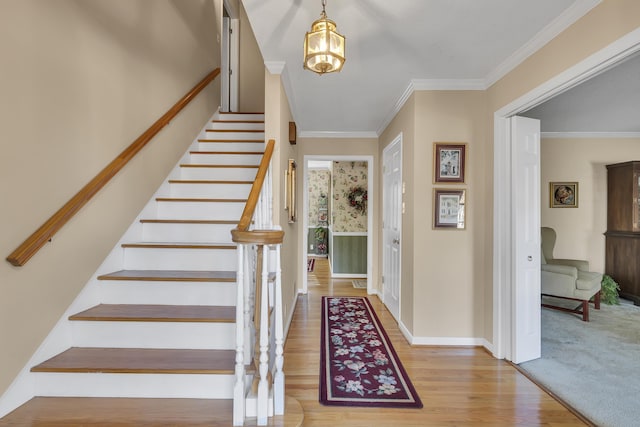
x=323, y=46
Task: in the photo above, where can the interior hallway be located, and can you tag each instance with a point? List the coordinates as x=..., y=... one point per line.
x=458, y=386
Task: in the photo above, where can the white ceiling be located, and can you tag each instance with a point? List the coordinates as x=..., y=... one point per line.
x=608, y=103
x=394, y=46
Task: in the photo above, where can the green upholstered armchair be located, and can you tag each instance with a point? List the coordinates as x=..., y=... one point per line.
x=567, y=278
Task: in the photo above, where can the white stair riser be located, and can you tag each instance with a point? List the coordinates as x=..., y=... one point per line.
x=179, y=259
x=234, y=136
x=231, y=211
x=225, y=159
x=220, y=174
x=210, y=191
x=227, y=146
x=197, y=233
x=241, y=117
x=193, y=335
x=179, y=293
x=237, y=125
x=196, y=386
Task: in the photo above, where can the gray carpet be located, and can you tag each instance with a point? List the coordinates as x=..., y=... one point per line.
x=594, y=366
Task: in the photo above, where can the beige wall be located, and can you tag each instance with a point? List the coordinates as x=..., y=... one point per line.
x=580, y=231
x=80, y=81
x=443, y=270
x=251, y=79
x=277, y=118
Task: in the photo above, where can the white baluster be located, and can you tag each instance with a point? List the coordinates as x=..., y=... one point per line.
x=263, y=385
x=278, y=381
x=239, y=387
x=249, y=301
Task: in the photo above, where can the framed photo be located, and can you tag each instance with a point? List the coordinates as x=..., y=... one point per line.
x=449, y=162
x=449, y=208
x=563, y=194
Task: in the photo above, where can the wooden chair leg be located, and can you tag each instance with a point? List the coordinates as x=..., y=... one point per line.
x=585, y=310
x=596, y=301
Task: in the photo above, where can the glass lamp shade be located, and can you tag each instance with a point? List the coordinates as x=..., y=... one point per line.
x=323, y=47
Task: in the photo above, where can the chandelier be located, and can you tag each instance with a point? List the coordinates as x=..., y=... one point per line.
x=323, y=46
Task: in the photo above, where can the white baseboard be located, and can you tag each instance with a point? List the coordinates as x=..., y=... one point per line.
x=445, y=341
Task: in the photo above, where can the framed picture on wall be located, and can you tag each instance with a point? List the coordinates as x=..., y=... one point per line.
x=449, y=208
x=449, y=162
x=563, y=194
x=290, y=190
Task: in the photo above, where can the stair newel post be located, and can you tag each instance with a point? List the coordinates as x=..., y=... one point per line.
x=278, y=382
x=239, y=387
x=263, y=385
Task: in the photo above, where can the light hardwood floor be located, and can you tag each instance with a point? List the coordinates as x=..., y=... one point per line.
x=458, y=386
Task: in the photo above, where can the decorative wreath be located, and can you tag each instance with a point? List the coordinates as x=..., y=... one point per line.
x=358, y=199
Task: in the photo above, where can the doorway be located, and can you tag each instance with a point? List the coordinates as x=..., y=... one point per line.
x=506, y=177
x=343, y=228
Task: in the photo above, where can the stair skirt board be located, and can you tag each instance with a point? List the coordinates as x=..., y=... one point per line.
x=172, y=274
x=193, y=386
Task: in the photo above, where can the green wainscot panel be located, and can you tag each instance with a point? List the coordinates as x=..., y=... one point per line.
x=349, y=254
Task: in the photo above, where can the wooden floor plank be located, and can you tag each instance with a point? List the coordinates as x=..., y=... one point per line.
x=157, y=313
x=140, y=361
x=459, y=386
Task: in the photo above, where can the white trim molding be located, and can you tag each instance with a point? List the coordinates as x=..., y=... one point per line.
x=444, y=341
x=589, y=135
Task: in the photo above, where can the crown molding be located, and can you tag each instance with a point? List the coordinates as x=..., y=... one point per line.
x=589, y=135
x=576, y=11
x=448, y=84
x=275, y=67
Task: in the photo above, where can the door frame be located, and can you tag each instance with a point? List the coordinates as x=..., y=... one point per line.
x=504, y=270
x=305, y=211
x=384, y=199
x=229, y=69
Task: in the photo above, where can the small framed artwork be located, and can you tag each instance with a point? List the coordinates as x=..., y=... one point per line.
x=449, y=162
x=563, y=194
x=449, y=208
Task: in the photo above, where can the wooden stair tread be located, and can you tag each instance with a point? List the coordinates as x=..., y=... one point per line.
x=157, y=313
x=138, y=412
x=140, y=361
x=171, y=276
x=180, y=199
x=188, y=221
x=237, y=121
x=178, y=245
x=103, y=411
x=204, y=181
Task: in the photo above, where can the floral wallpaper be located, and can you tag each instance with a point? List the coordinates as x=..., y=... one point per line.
x=319, y=185
x=349, y=179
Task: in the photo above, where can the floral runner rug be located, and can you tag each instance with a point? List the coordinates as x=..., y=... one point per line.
x=358, y=365
x=311, y=262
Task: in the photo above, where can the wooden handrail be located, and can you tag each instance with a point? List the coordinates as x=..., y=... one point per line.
x=42, y=235
x=254, y=194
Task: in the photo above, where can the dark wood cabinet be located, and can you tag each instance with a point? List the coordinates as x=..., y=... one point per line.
x=622, y=260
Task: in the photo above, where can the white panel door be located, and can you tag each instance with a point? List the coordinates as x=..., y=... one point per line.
x=525, y=137
x=392, y=225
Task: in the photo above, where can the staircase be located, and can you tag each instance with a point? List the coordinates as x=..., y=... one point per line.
x=158, y=319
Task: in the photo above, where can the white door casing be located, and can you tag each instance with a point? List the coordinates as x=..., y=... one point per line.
x=230, y=53
x=525, y=133
x=392, y=225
